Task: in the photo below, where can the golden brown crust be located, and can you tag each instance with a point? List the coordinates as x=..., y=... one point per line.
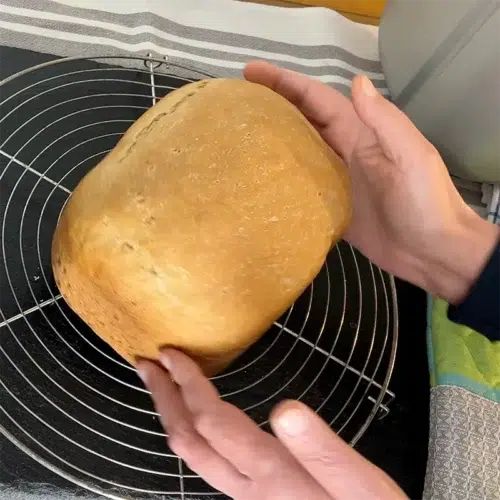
x=210, y=217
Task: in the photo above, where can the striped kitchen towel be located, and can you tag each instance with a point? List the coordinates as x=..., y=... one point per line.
x=215, y=36
x=491, y=198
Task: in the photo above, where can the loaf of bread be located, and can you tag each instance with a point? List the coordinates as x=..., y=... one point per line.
x=209, y=218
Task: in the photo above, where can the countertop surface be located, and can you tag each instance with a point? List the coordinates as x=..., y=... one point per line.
x=396, y=443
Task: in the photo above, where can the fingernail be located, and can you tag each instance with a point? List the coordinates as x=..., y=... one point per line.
x=367, y=86
x=166, y=361
x=293, y=422
x=142, y=373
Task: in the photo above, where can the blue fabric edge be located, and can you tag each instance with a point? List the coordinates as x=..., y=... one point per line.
x=470, y=385
x=430, y=351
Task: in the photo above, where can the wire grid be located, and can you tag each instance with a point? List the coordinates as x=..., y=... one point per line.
x=67, y=399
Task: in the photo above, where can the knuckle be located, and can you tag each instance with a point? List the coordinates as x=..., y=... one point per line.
x=188, y=448
x=430, y=153
x=266, y=467
x=369, y=155
x=181, y=442
x=269, y=462
x=204, y=423
x=196, y=460
x=328, y=460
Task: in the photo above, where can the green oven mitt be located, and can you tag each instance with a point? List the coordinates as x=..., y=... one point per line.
x=464, y=441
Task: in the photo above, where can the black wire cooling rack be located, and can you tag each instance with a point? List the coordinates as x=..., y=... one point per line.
x=67, y=399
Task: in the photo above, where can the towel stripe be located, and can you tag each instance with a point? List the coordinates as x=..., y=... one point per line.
x=494, y=206
x=79, y=29
x=196, y=37
x=66, y=30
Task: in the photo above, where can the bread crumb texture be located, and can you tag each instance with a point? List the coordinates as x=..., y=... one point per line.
x=209, y=218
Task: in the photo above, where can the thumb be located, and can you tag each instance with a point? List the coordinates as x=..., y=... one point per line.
x=342, y=471
x=397, y=135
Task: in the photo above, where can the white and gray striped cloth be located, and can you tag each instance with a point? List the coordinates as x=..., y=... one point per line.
x=215, y=36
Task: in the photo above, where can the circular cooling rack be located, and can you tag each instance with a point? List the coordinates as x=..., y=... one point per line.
x=67, y=399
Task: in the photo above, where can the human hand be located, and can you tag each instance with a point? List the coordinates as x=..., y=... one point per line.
x=306, y=460
x=408, y=218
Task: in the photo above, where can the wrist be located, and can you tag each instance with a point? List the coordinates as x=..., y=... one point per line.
x=464, y=251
